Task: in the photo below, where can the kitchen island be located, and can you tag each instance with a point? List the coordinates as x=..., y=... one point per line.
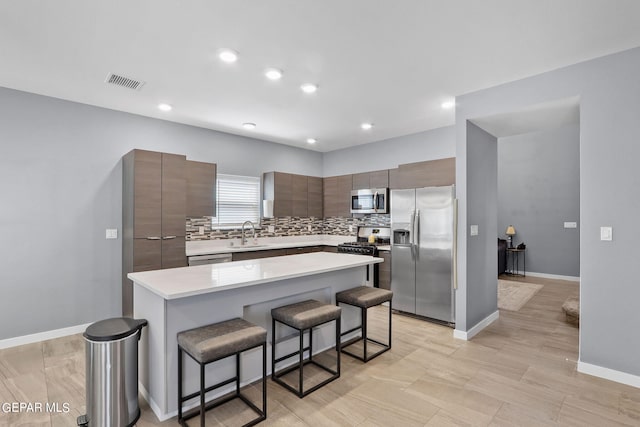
x=178, y=299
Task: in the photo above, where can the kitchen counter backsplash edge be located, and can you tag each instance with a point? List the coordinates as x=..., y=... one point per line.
x=286, y=226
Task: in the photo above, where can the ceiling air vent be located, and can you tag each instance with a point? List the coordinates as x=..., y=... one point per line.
x=117, y=80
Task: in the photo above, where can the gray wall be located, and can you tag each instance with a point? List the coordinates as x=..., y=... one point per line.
x=61, y=185
x=609, y=91
x=538, y=190
x=388, y=154
x=482, y=254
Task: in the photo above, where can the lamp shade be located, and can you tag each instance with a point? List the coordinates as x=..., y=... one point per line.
x=510, y=231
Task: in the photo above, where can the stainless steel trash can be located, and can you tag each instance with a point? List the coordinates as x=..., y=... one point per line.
x=112, y=372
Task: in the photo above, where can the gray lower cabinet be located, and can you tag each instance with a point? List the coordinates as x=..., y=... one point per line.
x=240, y=256
x=333, y=249
x=304, y=250
x=384, y=272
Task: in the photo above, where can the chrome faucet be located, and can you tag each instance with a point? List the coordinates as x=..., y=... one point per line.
x=243, y=240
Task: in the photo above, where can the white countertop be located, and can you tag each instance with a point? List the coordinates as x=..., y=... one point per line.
x=174, y=283
x=222, y=246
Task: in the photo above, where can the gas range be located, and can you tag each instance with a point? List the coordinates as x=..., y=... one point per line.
x=360, y=248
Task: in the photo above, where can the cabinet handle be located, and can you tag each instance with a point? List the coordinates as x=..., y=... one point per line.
x=153, y=238
x=168, y=237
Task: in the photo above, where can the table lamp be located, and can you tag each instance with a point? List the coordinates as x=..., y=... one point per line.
x=510, y=231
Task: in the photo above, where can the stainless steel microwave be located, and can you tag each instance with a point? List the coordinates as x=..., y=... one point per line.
x=373, y=200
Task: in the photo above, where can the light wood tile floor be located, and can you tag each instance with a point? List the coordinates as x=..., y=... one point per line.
x=521, y=371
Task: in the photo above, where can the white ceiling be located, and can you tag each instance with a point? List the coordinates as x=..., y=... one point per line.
x=534, y=118
x=388, y=62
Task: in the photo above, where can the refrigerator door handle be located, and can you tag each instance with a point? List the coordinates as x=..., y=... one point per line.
x=375, y=202
x=416, y=228
x=412, y=236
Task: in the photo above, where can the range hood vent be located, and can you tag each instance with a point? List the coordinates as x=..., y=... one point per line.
x=123, y=81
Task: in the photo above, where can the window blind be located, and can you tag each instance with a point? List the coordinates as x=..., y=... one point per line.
x=238, y=200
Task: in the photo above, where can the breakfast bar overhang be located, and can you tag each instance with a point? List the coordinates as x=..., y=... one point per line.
x=178, y=299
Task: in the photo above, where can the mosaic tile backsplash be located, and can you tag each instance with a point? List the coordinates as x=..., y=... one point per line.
x=286, y=226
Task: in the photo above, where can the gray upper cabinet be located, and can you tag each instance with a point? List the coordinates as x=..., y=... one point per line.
x=379, y=179
x=432, y=173
x=330, y=196
x=376, y=179
x=361, y=181
x=201, y=189
x=283, y=194
x=300, y=190
x=337, y=195
x=293, y=195
x=314, y=197
x=345, y=183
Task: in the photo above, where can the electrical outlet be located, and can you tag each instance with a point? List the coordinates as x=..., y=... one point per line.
x=111, y=233
x=309, y=227
x=201, y=230
x=351, y=229
x=570, y=225
x=606, y=233
x=474, y=230
x=271, y=228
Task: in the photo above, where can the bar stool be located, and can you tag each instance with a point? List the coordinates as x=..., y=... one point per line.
x=215, y=342
x=365, y=297
x=302, y=316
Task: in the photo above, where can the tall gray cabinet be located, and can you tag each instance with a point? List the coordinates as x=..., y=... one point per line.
x=153, y=215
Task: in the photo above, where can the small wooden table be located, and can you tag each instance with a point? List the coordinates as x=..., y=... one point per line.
x=515, y=262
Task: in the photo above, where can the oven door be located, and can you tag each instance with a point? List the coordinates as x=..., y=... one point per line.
x=369, y=201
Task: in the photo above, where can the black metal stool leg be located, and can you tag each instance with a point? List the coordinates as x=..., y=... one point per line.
x=363, y=319
x=273, y=348
x=389, y=323
x=179, y=384
x=264, y=379
x=338, y=344
x=301, y=360
x=202, y=393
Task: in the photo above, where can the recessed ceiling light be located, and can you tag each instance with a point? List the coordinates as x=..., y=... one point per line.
x=309, y=88
x=311, y=140
x=249, y=126
x=164, y=107
x=366, y=126
x=447, y=105
x=273, y=73
x=228, y=55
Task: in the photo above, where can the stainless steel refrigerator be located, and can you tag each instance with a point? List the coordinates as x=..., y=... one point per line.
x=422, y=251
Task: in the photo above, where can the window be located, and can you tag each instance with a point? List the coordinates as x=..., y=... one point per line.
x=238, y=200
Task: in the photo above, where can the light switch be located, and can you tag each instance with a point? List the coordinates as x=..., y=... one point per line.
x=474, y=230
x=112, y=233
x=271, y=228
x=201, y=229
x=309, y=227
x=351, y=229
x=606, y=233
x=570, y=225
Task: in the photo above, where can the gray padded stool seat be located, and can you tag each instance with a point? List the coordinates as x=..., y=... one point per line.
x=365, y=297
x=214, y=342
x=302, y=316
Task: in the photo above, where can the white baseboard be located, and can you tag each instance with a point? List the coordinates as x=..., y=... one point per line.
x=462, y=335
x=609, y=374
x=553, y=276
x=153, y=405
x=43, y=336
